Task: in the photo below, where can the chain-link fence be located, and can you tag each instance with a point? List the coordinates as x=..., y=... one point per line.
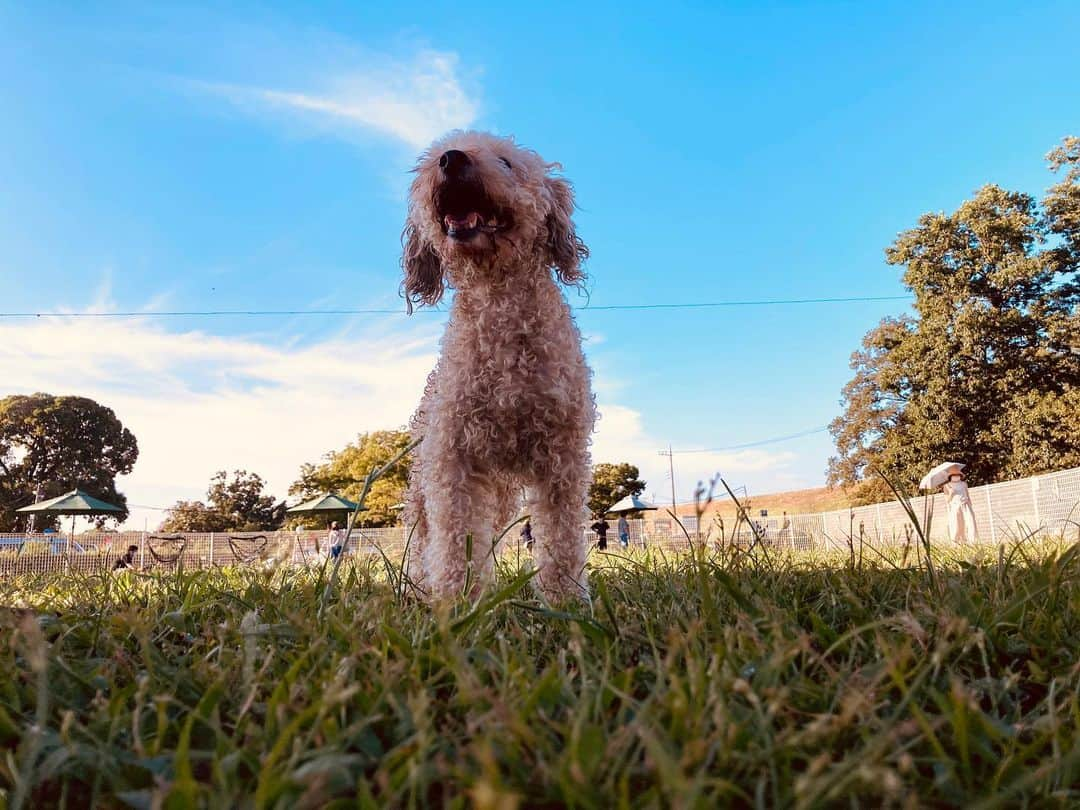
x=1042, y=505
x=167, y=551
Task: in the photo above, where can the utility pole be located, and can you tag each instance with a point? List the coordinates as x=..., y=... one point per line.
x=671, y=468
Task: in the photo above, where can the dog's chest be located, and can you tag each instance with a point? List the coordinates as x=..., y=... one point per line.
x=514, y=380
x=512, y=373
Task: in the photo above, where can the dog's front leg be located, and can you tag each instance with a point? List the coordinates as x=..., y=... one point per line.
x=460, y=504
x=560, y=539
x=417, y=530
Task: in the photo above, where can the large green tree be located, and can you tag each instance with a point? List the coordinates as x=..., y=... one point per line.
x=52, y=444
x=986, y=371
x=343, y=472
x=611, y=483
x=232, y=504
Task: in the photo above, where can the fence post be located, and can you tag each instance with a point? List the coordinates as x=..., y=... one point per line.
x=142, y=551
x=1035, y=503
x=990, y=510
x=211, y=565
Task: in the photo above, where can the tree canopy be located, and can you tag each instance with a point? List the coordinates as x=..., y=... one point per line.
x=611, y=483
x=343, y=472
x=236, y=504
x=987, y=370
x=52, y=444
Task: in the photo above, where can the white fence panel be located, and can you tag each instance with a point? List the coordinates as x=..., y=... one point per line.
x=1011, y=510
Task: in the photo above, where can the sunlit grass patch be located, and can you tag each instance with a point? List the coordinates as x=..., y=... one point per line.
x=727, y=677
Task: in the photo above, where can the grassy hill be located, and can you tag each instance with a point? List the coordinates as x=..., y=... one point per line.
x=796, y=501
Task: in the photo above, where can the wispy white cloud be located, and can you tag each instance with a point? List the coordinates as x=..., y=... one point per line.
x=621, y=436
x=103, y=300
x=412, y=100
x=199, y=402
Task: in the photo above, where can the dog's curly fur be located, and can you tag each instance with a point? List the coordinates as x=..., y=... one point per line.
x=509, y=403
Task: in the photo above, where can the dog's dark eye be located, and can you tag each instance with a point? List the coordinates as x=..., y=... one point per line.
x=506, y=163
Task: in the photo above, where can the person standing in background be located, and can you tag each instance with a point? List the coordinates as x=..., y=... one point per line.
x=600, y=527
x=335, y=538
x=962, y=528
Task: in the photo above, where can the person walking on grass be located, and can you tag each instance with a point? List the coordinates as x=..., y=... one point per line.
x=526, y=534
x=600, y=527
x=624, y=531
x=949, y=475
x=962, y=528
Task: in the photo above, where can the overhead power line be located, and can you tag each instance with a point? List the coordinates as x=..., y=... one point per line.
x=765, y=302
x=205, y=313
x=748, y=445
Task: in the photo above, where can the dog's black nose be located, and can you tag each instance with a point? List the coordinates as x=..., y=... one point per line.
x=453, y=161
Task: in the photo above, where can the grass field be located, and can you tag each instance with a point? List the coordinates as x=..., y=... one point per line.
x=727, y=679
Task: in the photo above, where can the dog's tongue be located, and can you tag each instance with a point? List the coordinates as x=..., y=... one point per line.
x=466, y=222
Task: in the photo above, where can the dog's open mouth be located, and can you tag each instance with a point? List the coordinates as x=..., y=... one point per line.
x=465, y=211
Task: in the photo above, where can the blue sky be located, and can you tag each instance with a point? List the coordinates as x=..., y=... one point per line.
x=175, y=158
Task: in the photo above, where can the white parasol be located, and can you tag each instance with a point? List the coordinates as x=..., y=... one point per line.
x=940, y=474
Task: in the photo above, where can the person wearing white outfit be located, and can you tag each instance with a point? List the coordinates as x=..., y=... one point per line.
x=962, y=527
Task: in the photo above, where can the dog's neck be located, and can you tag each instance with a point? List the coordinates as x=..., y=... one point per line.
x=480, y=287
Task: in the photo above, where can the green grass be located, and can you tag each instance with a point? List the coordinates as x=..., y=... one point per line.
x=694, y=681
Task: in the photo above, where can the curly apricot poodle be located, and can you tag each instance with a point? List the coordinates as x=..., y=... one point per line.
x=509, y=404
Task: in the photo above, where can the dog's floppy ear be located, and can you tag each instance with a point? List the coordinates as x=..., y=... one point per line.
x=424, y=283
x=566, y=250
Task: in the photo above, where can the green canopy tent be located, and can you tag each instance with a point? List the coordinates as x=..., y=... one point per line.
x=327, y=504
x=631, y=503
x=628, y=505
x=72, y=503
